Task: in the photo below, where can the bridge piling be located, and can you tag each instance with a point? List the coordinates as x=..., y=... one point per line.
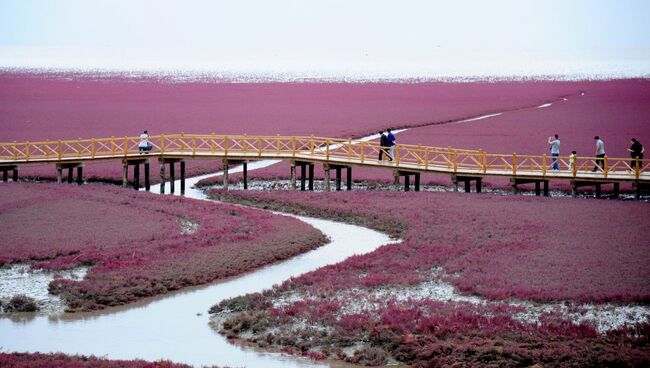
x=136, y=177
x=467, y=181
x=147, y=185
x=125, y=173
x=638, y=187
x=575, y=184
x=5, y=173
x=311, y=176
x=182, y=177
x=302, y=176
x=225, y=174
x=326, y=177
x=338, y=178
x=59, y=174
x=172, y=177
x=70, y=174
x=407, y=179
x=293, y=174
x=80, y=170
x=245, y=166
x=162, y=176
x=349, y=177
x=538, y=185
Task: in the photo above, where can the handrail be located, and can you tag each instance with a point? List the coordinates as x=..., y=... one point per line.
x=339, y=150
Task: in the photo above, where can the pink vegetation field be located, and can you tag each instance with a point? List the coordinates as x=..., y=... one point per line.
x=531, y=250
x=614, y=110
x=138, y=244
x=52, y=106
x=23, y=360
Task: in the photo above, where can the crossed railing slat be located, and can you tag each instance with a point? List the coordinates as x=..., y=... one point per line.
x=407, y=156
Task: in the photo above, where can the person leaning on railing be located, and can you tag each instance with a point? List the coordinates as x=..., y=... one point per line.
x=636, y=152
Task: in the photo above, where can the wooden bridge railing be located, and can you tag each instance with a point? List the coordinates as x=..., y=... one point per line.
x=341, y=150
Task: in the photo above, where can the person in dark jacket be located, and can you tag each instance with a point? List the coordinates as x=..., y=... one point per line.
x=391, y=142
x=384, y=146
x=636, y=152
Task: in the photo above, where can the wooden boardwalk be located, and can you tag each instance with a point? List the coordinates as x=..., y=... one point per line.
x=464, y=166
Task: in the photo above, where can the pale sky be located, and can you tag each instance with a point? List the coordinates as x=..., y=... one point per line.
x=338, y=37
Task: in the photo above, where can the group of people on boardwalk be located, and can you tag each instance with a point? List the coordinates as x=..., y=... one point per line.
x=386, y=144
x=636, y=152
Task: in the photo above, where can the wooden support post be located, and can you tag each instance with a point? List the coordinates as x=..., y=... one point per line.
x=326, y=177
x=574, y=189
x=545, y=188
x=70, y=174
x=617, y=190
x=245, y=166
x=467, y=186
x=125, y=173
x=407, y=182
x=183, y=177
x=417, y=182
x=147, y=184
x=338, y=178
x=513, y=181
x=162, y=176
x=637, y=190
x=454, y=181
x=597, y=190
x=225, y=174
x=293, y=175
x=311, y=176
x=59, y=174
x=80, y=170
x=349, y=177
x=172, y=178
x=136, y=176
x=5, y=175
x=15, y=174
x=303, y=168
x=538, y=189
x=479, y=184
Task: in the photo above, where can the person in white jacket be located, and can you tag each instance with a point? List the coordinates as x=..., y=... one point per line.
x=144, y=145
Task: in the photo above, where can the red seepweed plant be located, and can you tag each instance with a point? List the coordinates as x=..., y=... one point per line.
x=138, y=244
x=500, y=248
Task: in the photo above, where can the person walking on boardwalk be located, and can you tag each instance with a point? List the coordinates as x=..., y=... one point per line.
x=636, y=152
x=600, y=154
x=555, y=150
x=391, y=142
x=384, y=146
x=144, y=145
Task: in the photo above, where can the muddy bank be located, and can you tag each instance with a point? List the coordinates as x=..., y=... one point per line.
x=21, y=279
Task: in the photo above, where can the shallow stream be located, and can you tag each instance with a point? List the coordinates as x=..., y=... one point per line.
x=175, y=326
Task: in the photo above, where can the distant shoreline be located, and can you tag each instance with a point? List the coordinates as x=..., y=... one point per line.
x=204, y=76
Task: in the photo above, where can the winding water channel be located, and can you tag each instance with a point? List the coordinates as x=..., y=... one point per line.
x=175, y=326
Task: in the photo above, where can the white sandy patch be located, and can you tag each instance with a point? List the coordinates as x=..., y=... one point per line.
x=22, y=279
x=603, y=317
x=188, y=226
